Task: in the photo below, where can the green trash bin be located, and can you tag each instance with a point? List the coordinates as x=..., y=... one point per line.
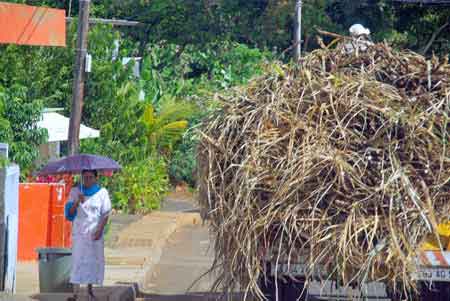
x=55, y=265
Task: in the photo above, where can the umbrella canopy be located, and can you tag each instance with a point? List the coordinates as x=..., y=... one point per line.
x=78, y=163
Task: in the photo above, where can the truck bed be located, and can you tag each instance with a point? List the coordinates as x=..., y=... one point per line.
x=432, y=266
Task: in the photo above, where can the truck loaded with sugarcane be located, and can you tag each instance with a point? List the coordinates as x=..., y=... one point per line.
x=333, y=168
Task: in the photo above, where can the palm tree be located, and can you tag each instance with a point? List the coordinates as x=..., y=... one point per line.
x=167, y=126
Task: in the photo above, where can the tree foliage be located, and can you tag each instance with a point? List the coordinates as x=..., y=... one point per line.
x=167, y=127
x=18, y=117
x=270, y=23
x=190, y=49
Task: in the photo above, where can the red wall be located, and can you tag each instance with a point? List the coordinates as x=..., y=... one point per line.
x=41, y=218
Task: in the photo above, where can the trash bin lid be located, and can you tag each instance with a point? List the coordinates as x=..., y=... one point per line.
x=60, y=251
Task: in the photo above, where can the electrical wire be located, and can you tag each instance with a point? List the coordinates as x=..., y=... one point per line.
x=26, y=26
x=70, y=8
x=41, y=17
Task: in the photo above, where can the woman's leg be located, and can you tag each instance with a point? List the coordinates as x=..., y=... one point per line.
x=76, y=292
x=90, y=291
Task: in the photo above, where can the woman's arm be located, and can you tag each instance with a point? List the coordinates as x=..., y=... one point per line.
x=101, y=227
x=104, y=214
x=76, y=203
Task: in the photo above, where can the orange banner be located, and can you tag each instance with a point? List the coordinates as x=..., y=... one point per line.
x=32, y=25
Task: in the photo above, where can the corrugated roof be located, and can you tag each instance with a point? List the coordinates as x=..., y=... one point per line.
x=57, y=126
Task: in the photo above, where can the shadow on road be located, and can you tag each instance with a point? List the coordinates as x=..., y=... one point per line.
x=190, y=297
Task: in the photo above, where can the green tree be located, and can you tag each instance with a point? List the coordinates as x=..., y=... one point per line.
x=18, y=125
x=166, y=127
x=423, y=28
x=5, y=127
x=140, y=186
x=122, y=132
x=45, y=71
x=261, y=23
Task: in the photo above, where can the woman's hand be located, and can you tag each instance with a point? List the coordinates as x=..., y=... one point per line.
x=81, y=199
x=98, y=234
x=76, y=203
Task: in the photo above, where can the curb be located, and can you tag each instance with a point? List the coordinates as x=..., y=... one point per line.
x=108, y=293
x=139, y=246
x=183, y=219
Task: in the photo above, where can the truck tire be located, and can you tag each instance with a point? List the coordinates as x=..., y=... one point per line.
x=400, y=295
x=288, y=289
x=437, y=291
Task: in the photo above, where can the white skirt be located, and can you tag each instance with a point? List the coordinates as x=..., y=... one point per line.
x=88, y=260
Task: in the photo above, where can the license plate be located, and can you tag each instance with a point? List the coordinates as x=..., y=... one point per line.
x=432, y=274
x=294, y=269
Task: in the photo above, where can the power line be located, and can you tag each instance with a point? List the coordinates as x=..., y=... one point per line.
x=70, y=8
x=26, y=26
x=41, y=17
x=109, y=21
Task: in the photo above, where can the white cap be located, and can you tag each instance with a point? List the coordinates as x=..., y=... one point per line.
x=358, y=30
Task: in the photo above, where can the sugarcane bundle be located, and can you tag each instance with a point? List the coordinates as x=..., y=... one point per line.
x=342, y=160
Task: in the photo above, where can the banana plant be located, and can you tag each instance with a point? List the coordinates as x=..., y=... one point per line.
x=166, y=126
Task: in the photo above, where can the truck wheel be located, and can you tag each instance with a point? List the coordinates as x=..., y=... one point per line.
x=398, y=295
x=288, y=289
x=437, y=291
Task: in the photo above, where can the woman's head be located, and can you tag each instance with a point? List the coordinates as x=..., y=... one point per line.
x=89, y=177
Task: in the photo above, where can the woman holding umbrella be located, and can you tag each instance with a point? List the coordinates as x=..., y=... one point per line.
x=88, y=207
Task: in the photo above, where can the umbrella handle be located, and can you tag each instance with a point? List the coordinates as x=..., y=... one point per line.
x=81, y=181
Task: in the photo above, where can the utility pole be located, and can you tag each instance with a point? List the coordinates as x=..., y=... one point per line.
x=298, y=30
x=79, y=76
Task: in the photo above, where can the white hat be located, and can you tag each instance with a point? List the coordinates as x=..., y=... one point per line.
x=358, y=30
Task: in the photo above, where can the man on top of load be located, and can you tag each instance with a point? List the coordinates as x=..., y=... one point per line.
x=360, y=39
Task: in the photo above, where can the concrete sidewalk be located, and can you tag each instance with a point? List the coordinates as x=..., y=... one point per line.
x=131, y=250
x=7, y=297
x=139, y=246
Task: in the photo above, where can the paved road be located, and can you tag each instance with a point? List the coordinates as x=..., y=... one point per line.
x=187, y=256
x=117, y=223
